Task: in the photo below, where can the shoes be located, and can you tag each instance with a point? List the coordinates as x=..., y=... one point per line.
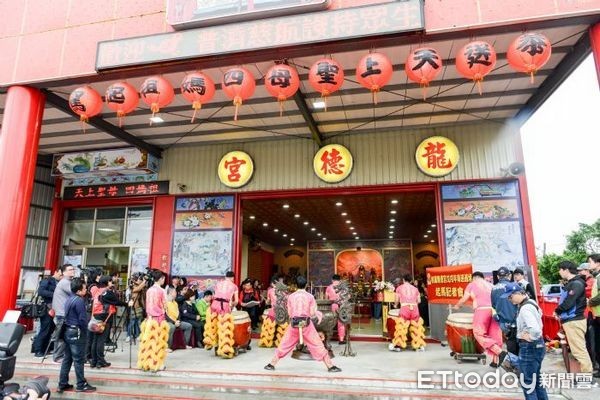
x=270, y=367
x=169, y=350
x=103, y=365
x=39, y=355
x=333, y=368
x=127, y=339
x=92, y=365
x=86, y=388
x=64, y=388
x=57, y=362
x=342, y=342
x=188, y=347
x=596, y=374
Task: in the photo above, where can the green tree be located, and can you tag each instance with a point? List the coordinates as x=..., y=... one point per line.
x=580, y=243
x=548, y=265
x=585, y=240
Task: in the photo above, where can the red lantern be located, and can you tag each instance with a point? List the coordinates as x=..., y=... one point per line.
x=326, y=76
x=529, y=52
x=85, y=102
x=475, y=60
x=374, y=71
x=238, y=84
x=122, y=98
x=282, y=81
x=157, y=92
x=198, y=89
x=422, y=66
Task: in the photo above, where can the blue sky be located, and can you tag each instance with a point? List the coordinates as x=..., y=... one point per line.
x=561, y=144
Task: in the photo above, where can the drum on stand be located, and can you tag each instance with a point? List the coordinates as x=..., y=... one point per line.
x=241, y=329
x=393, y=316
x=459, y=331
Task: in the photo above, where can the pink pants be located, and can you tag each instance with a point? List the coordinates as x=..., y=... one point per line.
x=487, y=331
x=311, y=340
x=340, y=327
x=215, y=307
x=408, y=314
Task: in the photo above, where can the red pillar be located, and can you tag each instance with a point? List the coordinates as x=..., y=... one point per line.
x=19, y=141
x=55, y=229
x=595, y=41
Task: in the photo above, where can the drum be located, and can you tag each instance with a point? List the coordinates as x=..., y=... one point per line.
x=459, y=331
x=393, y=316
x=241, y=328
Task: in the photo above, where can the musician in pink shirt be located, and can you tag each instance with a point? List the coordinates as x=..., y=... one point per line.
x=226, y=295
x=331, y=294
x=301, y=307
x=485, y=328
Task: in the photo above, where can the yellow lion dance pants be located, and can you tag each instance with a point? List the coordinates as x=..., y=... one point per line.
x=153, y=345
x=403, y=328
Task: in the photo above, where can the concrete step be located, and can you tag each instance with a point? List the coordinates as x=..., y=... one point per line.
x=124, y=385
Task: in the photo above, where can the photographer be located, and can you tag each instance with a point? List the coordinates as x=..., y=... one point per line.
x=104, y=306
x=137, y=289
x=75, y=320
x=46, y=291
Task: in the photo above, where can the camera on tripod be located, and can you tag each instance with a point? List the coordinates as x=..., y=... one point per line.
x=10, y=339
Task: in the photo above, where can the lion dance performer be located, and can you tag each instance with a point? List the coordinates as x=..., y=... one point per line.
x=301, y=307
x=218, y=331
x=332, y=295
x=410, y=320
x=154, y=330
x=267, y=330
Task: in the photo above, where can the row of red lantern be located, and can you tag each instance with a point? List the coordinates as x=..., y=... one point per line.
x=475, y=60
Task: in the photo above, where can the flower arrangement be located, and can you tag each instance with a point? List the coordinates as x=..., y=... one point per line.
x=379, y=286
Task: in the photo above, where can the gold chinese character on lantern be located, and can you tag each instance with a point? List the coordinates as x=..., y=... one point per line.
x=437, y=156
x=235, y=169
x=332, y=163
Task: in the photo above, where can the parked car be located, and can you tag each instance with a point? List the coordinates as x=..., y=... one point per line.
x=551, y=290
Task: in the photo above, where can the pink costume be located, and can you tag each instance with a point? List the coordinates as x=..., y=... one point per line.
x=272, y=299
x=302, y=304
x=408, y=296
x=332, y=295
x=485, y=328
x=224, y=291
x=155, y=303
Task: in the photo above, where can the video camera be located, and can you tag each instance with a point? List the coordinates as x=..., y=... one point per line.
x=10, y=339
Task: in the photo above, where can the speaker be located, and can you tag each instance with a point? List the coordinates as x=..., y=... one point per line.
x=10, y=338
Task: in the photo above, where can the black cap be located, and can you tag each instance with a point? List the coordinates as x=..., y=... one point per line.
x=503, y=271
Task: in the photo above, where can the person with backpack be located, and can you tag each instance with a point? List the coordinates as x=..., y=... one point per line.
x=570, y=312
x=505, y=312
x=531, y=343
x=594, y=305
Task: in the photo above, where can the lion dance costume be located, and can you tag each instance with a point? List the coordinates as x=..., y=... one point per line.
x=409, y=321
x=154, y=332
x=219, y=328
x=271, y=332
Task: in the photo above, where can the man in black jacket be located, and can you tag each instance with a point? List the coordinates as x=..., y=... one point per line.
x=570, y=313
x=46, y=291
x=519, y=277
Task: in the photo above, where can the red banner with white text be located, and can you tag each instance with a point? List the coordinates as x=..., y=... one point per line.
x=446, y=285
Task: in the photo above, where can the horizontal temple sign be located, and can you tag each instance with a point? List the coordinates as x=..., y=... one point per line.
x=291, y=30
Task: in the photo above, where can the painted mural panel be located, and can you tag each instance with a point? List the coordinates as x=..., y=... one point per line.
x=204, y=203
x=321, y=267
x=477, y=210
x=479, y=190
x=203, y=253
x=397, y=262
x=204, y=220
x=486, y=245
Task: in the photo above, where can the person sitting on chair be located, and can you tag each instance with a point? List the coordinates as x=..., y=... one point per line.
x=173, y=318
x=189, y=314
